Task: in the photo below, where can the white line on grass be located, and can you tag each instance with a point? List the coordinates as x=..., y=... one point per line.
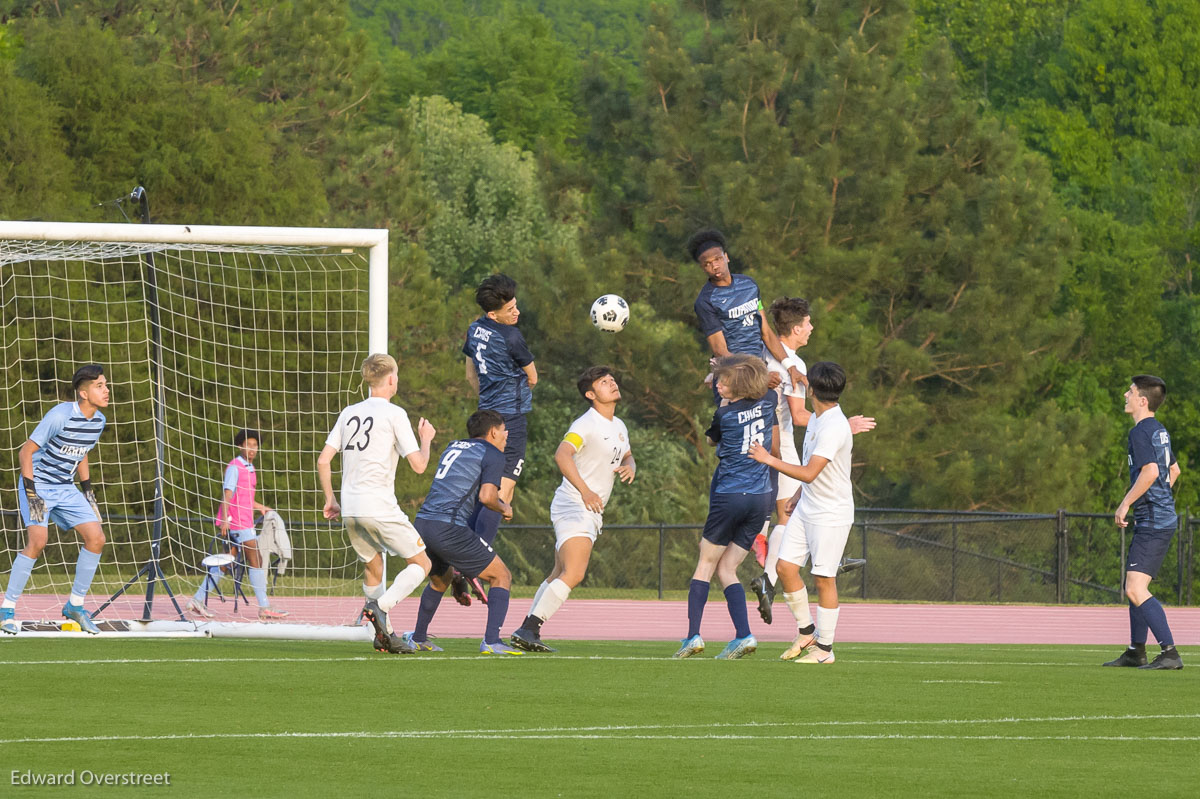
x=379, y=658
x=964, y=682
x=623, y=731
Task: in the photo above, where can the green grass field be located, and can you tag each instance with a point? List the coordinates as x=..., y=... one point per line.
x=294, y=719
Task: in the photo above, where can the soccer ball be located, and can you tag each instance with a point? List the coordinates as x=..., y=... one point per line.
x=610, y=313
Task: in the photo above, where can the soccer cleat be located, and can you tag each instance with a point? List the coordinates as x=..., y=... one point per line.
x=691, y=646
x=395, y=644
x=498, y=648
x=738, y=648
x=271, y=614
x=803, y=641
x=380, y=643
x=816, y=655
x=200, y=610
x=759, y=548
x=1131, y=658
x=420, y=646
x=529, y=640
x=762, y=588
x=460, y=589
x=81, y=617
x=8, y=621
x=477, y=589
x=851, y=564
x=378, y=618
x=1168, y=660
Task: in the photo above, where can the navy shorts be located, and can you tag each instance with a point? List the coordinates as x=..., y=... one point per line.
x=454, y=545
x=1148, y=549
x=514, y=450
x=736, y=518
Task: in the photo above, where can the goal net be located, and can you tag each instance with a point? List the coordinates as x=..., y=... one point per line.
x=202, y=331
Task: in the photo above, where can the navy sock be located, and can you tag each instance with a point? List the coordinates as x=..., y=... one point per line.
x=486, y=526
x=430, y=599
x=1138, y=629
x=1152, y=611
x=497, y=610
x=697, y=596
x=735, y=598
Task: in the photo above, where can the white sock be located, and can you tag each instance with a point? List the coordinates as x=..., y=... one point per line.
x=826, y=624
x=556, y=593
x=773, y=544
x=797, y=601
x=537, y=597
x=258, y=581
x=373, y=591
x=405, y=583
x=8, y=603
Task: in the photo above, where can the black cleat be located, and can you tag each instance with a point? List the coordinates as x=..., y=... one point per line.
x=529, y=640
x=378, y=618
x=762, y=588
x=461, y=589
x=851, y=564
x=1168, y=660
x=398, y=646
x=1132, y=658
x=380, y=643
x=477, y=589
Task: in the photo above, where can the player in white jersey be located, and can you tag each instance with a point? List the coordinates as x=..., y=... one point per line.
x=593, y=453
x=372, y=436
x=822, y=515
x=793, y=324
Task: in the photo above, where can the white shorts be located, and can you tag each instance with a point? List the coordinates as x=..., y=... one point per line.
x=825, y=545
x=571, y=521
x=395, y=534
x=788, y=486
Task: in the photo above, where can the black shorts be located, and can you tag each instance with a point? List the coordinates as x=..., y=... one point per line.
x=736, y=518
x=454, y=545
x=1148, y=549
x=514, y=450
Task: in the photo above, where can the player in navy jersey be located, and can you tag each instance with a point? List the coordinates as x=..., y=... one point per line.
x=468, y=474
x=57, y=452
x=730, y=310
x=500, y=368
x=740, y=498
x=1153, y=471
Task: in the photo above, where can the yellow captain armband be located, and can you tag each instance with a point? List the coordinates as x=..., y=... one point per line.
x=575, y=440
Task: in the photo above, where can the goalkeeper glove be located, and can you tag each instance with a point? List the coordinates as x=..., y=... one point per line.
x=37, y=506
x=86, y=487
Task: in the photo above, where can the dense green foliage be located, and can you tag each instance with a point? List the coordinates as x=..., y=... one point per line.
x=991, y=205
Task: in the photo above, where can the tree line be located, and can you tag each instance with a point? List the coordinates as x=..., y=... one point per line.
x=990, y=205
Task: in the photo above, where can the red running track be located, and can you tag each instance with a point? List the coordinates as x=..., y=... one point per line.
x=602, y=619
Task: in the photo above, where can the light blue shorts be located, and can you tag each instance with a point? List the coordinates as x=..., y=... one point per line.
x=242, y=536
x=65, y=505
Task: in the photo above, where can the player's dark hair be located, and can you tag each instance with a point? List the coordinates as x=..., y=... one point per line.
x=745, y=375
x=495, y=292
x=704, y=240
x=826, y=380
x=482, y=422
x=589, y=377
x=787, y=312
x=86, y=374
x=242, y=435
x=1154, y=389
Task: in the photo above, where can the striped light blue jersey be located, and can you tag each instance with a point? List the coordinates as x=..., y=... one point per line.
x=64, y=437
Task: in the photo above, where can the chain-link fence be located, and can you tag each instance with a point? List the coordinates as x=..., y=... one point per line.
x=912, y=555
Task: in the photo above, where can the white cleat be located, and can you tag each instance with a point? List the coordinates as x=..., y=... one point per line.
x=816, y=655
x=803, y=641
x=197, y=609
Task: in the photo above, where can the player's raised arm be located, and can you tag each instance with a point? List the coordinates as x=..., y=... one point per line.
x=325, y=475
x=419, y=460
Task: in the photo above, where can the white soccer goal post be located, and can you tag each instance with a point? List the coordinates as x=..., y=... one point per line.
x=202, y=331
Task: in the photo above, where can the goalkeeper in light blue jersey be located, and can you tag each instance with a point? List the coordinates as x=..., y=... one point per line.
x=57, y=452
